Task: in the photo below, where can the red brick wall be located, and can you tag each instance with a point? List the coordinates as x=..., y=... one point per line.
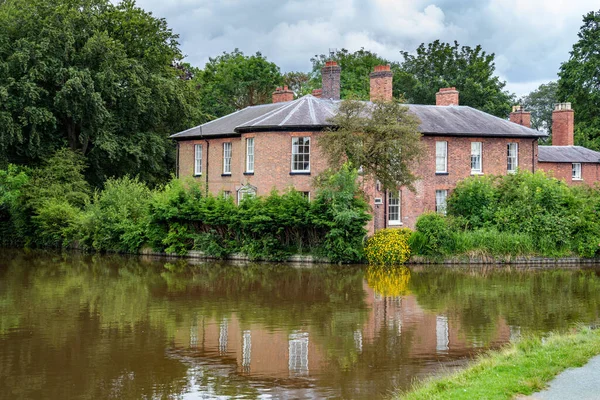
x=590, y=172
x=272, y=163
x=272, y=166
x=494, y=159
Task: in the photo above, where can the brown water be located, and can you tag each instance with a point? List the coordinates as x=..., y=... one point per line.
x=111, y=327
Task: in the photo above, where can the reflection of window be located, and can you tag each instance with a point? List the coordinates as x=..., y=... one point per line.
x=298, y=353
x=245, y=192
x=576, y=171
x=358, y=342
x=475, y=157
x=512, y=155
x=223, y=337
x=198, y=159
x=394, y=208
x=227, y=158
x=246, y=350
x=301, y=154
x=441, y=333
x=440, y=201
x=441, y=157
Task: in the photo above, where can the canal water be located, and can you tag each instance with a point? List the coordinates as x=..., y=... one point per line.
x=76, y=326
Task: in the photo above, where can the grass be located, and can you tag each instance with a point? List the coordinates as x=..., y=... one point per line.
x=521, y=368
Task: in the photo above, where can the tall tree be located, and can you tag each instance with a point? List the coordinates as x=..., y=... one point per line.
x=579, y=82
x=381, y=137
x=541, y=103
x=470, y=70
x=298, y=82
x=96, y=77
x=232, y=81
x=356, y=66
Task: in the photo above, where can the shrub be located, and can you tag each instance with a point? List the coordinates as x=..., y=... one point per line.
x=436, y=234
x=56, y=221
x=116, y=219
x=388, y=247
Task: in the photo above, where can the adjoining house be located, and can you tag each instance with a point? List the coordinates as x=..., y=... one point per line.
x=574, y=164
x=275, y=146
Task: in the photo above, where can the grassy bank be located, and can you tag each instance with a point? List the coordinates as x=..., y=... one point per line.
x=522, y=368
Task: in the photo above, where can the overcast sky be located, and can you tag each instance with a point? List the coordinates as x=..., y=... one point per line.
x=529, y=37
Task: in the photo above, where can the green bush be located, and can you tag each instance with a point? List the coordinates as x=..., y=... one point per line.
x=56, y=223
x=435, y=235
x=116, y=219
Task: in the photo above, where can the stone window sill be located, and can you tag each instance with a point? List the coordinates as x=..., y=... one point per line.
x=226, y=174
x=300, y=173
x=441, y=173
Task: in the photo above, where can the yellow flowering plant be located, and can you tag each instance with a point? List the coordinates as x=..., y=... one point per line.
x=388, y=247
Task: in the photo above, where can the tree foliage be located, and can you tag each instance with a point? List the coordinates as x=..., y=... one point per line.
x=232, y=81
x=299, y=82
x=579, y=81
x=96, y=77
x=540, y=103
x=381, y=137
x=470, y=70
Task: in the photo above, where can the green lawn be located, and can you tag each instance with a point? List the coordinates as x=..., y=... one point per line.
x=522, y=368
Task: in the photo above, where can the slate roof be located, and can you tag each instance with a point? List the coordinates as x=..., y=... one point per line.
x=311, y=113
x=567, y=154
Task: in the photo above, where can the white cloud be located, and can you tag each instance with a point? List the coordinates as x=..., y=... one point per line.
x=530, y=38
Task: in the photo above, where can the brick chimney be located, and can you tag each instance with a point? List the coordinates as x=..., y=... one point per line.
x=317, y=93
x=520, y=116
x=381, y=83
x=282, y=94
x=330, y=74
x=563, y=125
x=447, y=97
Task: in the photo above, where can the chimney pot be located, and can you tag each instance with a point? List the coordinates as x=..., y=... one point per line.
x=520, y=116
x=563, y=125
x=330, y=75
x=447, y=97
x=282, y=94
x=381, y=83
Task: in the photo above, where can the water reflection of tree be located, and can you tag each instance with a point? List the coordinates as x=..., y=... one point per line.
x=535, y=300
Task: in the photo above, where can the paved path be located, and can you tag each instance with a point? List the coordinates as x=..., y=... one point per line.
x=575, y=383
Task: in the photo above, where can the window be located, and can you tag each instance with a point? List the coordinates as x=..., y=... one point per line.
x=476, y=157
x=306, y=195
x=394, y=208
x=440, y=201
x=250, y=155
x=245, y=192
x=441, y=157
x=512, y=157
x=198, y=159
x=227, y=158
x=576, y=171
x=301, y=154
x=226, y=194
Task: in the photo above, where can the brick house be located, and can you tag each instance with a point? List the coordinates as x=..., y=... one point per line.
x=275, y=146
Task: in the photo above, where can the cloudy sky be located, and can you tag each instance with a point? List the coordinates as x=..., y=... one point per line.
x=529, y=37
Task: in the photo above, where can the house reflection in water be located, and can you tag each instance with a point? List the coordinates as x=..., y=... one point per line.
x=264, y=352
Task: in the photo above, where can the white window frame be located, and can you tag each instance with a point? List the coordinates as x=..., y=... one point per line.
x=250, y=155
x=295, y=152
x=441, y=201
x=476, y=157
x=394, y=200
x=512, y=157
x=441, y=153
x=197, y=159
x=227, y=158
x=576, y=171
